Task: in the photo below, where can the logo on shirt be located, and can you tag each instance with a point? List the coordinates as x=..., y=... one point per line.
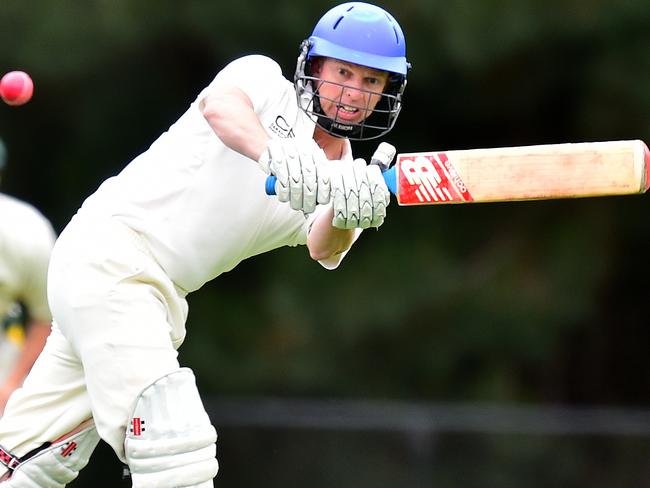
x=281, y=127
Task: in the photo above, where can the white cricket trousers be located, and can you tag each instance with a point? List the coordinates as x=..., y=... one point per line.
x=118, y=320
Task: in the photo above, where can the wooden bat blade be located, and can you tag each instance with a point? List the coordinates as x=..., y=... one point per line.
x=552, y=171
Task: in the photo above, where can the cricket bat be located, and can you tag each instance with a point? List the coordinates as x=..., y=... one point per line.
x=541, y=172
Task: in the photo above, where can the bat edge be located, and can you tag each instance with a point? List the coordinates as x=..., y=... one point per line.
x=646, y=167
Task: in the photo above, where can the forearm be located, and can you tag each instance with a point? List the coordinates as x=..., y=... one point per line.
x=231, y=116
x=35, y=338
x=325, y=242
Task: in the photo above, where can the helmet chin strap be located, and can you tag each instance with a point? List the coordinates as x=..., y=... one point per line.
x=332, y=126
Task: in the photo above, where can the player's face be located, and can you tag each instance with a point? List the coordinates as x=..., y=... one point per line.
x=348, y=92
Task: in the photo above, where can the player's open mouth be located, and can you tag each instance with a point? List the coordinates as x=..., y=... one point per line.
x=346, y=112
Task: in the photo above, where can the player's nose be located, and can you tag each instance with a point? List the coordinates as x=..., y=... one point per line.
x=353, y=91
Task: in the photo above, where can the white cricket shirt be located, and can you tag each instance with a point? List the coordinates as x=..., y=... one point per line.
x=26, y=240
x=199, y=205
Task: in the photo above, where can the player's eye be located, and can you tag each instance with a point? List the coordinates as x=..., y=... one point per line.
x=375, y=84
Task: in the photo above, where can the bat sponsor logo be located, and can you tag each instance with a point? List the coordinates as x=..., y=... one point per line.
x=430, y=178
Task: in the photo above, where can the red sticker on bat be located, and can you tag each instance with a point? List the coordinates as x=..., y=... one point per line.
x=430, y=178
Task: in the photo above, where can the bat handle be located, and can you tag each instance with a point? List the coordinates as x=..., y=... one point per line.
x=269, y=186
x=389, y=177
x=382, y=157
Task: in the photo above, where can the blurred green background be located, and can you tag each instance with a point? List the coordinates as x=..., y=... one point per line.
x=525, y=303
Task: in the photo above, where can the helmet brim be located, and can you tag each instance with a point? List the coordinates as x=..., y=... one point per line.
x=323, y=47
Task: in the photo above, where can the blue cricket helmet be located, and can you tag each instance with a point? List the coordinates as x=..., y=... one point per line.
x=363, y=34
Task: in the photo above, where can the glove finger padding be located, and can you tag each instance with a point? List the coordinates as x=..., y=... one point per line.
x=323, y=185
x=345, y=196
x=295, y=165
x=285, y=165
x=365, y=202
x=380, y=195
x=359, y=195
x=315, y=179
x=300, y=171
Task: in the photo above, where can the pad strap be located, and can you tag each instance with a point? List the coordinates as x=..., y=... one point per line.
x=55, y=464
x=9, y=460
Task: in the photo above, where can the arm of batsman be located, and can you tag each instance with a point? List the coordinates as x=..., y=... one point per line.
x=302, y=172
x=359, y=195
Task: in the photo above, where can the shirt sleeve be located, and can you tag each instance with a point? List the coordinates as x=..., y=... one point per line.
x=35, y=257
x=259, y=77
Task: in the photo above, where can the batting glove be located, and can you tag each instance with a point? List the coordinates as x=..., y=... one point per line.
x=359, y=195
x=301, y=169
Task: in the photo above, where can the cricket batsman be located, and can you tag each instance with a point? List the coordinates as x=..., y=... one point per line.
x=188, y=209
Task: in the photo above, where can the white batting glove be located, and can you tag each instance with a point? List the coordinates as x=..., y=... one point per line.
x=301, y=169
x=359, y=195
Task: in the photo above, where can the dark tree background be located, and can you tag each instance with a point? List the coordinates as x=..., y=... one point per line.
x=519, y=302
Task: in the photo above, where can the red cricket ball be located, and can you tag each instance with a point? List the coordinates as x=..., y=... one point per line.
x=16, y=88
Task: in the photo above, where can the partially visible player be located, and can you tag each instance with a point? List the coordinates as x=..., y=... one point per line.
x=26, y=240
x=188, y=209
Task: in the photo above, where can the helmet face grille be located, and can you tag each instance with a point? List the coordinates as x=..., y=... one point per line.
x=378, y=122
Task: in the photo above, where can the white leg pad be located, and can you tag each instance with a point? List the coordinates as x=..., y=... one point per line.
x=59, y=463
x=170, y=442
